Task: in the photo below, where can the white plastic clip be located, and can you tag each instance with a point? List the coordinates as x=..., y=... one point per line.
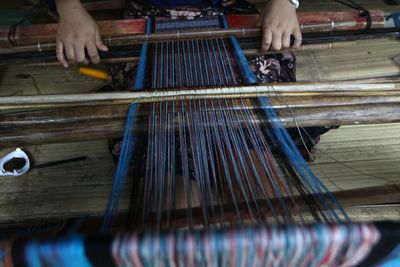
x=17, y=154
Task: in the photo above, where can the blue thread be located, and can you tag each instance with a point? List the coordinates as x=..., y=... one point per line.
x=396, y=19
x=247, y=75
x=128, y=144
x=139, y=82
x=32, y=255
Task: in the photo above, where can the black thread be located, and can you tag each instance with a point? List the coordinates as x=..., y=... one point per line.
x=13, y=28
x=363, y=12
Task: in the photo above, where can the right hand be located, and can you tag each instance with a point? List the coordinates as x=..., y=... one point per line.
x=77, y=32
x=279, y=22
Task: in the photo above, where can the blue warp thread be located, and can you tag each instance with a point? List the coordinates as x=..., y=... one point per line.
x=128, y=143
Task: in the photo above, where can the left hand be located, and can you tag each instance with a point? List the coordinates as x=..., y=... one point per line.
x=77, y=32
x=279, y=22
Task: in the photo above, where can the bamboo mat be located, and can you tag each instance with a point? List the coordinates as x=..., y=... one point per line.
x=372, y=58
x=359, y=156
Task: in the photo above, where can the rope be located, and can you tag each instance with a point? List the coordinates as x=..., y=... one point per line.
x=363, y=12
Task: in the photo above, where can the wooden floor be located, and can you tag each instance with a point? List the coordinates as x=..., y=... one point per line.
x=347, y=158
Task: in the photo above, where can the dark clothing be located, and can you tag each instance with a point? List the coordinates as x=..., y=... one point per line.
x=51, y=5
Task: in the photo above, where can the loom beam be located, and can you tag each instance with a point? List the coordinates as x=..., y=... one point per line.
x=249, y=39
x=95, y=129
x=270, y=90
x=44, y=33
x=308, y=37
x=32, y=127
x=68, y=118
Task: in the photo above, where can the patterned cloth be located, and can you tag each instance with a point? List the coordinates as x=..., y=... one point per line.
x=140, y=9
x=316, y=246
x=274, y=68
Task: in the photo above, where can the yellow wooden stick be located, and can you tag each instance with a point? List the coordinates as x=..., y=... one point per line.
x=94, y=73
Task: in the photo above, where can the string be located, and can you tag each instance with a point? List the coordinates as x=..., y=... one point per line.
x=286, y=143
x=229, y=165
x=303, y=131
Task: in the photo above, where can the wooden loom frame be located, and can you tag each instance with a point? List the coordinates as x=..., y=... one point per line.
x=341, y=99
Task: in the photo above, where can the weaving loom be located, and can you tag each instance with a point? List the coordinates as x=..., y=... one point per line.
x=208, y=161
x=233, y=164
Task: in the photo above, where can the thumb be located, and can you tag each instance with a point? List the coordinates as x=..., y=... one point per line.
x=99, y=43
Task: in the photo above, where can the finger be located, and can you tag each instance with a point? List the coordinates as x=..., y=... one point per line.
x=79, y=51
x=276, y=40
x=286, y=40
x=99, y=43
x=60, y=54
x=93, y=53
x=69, y=52
x=266, y=40
x=86, y=62
x=297, y=38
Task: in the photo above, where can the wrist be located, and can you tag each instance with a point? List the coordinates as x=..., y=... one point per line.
x=66, y=7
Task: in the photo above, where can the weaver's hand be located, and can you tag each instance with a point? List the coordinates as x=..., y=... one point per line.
x=279, y=22
x=77, y=32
